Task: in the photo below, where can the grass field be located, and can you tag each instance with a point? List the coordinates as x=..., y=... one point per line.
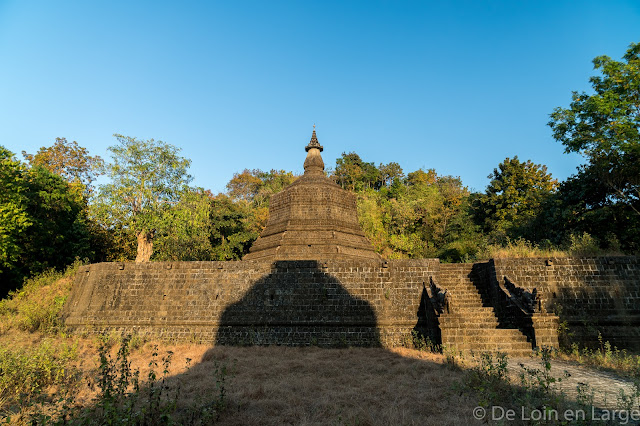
x=282, y=385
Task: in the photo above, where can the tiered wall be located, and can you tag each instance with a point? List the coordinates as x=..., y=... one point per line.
x=334, y=302
x=285, y=302
x=590, y=295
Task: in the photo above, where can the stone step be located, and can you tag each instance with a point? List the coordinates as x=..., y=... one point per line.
x=511, y=350
x=475, y=323
x=469, y=319
x=479, y=345
x=469, y=309
x=470, y=290
x=473, y=300
x=470, y=304
x=469, y=298
x=493, y=346
x=487, y=334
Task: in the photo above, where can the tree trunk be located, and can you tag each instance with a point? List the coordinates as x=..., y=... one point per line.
x=145, y=246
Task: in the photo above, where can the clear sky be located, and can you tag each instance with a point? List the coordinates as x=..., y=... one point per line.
x=455, y=86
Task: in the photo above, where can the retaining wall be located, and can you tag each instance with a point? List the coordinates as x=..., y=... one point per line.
x=359, y=303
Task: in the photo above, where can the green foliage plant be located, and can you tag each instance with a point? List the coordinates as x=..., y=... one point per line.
x=43, y=222
x=513, y=198
x=25, y=373
x=37, y=305
x=124, y=398
x=148, y=180
x=14, y=218
x=69, y=161
x=604, y=127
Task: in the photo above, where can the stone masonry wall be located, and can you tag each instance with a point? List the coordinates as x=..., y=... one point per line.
x=285, y=302
x=333, y=302
x=590, y=295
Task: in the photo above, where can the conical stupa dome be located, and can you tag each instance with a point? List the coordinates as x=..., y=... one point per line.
x=313, y=218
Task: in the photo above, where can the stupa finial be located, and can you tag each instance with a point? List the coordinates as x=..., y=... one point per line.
x=314, y=141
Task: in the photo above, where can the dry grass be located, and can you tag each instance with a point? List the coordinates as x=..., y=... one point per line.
x=577, y=245
x=276, y=385
x=35, y=307
x=284, y=385
x=521, y=248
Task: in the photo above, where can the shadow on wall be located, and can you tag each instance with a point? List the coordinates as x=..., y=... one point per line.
x=299, y=304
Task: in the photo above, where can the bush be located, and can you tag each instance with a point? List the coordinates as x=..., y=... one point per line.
x=37, y=305
x=26, y=372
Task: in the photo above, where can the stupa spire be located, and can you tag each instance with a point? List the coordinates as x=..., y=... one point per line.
x=314, y=141
x=313, y=164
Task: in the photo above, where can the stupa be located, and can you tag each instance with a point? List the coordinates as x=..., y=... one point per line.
x=313, y=218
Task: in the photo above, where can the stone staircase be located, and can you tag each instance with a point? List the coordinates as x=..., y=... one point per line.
x=469, y=324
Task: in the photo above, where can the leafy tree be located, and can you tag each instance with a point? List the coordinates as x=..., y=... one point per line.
x=234, y=227
x=59, y=232
x=414, y=217
x=186, y=229
x=14, y=219
x=462, y=240
x=513, y=198
x=42, y=222
x=420, y=177
x=604, y=196
x=390, y=174
x=245, y=185
x=605, y=126
x=70, y=161
x=354, y=174
x=148, y=178
x=256, y=186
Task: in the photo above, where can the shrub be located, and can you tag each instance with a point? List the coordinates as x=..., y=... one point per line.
x=37, y=305
x=26, y=372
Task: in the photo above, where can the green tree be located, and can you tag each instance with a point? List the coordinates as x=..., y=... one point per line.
x=513, y=198
x=604, y=196
x=148, y=178
x=390, y=174
x=59, y=233
x=234, y=227
x=43, y=222
x=186, y=230
x=605, y=126
x=70, y=161
x=354, y=174
x=413, y=217
x=14, y=219
x=257, y=187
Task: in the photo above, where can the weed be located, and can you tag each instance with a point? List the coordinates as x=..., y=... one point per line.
x=420, y=342
x=26, y=373
x=631, y=401
x=541, y=379
x=489, y=379
x=37, y=305
x=605, y=356
x=122, y=398
x=585, y=395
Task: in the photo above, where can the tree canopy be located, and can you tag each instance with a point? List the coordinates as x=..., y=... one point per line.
x=148, y=178
x=43, y=221
x=604, y=126
x=513, y=198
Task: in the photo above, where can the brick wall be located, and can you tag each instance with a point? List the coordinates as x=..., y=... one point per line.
x=590, y=295
x=333, y=302
x=286, y=302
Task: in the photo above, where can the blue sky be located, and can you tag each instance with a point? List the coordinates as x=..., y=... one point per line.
x=455, y=86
